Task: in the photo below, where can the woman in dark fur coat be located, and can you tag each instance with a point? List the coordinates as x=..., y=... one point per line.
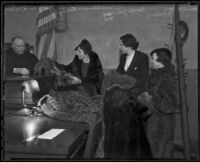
x=87, y=66
x=161, y=99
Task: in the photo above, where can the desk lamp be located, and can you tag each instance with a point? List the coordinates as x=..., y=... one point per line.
x=29, y=87
x=36, y=88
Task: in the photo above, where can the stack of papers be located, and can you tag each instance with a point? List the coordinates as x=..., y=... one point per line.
x=50, y=134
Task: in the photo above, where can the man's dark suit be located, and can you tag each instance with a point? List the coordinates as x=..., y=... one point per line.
x=139, y=69
x=14, y=60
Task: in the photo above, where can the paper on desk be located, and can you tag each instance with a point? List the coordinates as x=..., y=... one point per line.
x=50, y=134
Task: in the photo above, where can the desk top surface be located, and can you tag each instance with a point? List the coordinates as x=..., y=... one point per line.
x=63, y=144
x=18, y=77
x=22, y=78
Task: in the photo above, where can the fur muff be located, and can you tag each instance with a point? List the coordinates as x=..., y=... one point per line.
x=125, y=136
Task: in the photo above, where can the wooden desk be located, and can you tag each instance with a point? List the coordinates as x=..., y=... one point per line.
x=65, y=145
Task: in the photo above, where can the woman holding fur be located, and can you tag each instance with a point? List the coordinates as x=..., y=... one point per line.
x=161, y=99
x=87, y=66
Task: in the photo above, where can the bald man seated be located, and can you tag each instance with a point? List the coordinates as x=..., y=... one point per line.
x=19, y=60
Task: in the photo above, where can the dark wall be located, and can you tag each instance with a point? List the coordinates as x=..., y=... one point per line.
x=103, y=25
x=20, y=20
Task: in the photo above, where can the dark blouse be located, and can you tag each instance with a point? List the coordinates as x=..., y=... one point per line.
x=84, y=67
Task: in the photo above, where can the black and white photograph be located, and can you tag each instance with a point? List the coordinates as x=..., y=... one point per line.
x=102, y=80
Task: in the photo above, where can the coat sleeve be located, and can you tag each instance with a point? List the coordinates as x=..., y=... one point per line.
x=164, y=96
x=68, y=68
x=143, y=69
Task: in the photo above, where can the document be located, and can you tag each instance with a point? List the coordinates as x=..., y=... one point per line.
x=50, y=134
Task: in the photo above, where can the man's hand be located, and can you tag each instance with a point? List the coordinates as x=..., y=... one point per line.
x=23, y=71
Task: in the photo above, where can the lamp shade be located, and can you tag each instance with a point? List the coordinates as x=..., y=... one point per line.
x=30, y=87
x=37, y=87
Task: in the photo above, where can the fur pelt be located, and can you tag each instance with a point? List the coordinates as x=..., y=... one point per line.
x=125, y=136
x=113, y=78
x=43, y=68
x=63, y=80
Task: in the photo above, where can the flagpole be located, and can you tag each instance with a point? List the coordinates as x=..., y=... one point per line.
x=182, y=86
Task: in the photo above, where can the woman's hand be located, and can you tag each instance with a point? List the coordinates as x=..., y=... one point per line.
x=55, y=70
x=145, y=98
x=73, y=79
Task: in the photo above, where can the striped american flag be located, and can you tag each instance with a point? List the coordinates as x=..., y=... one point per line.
x=46, y=32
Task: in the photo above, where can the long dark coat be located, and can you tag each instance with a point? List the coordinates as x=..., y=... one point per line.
x=125, y=136
x=160, y=126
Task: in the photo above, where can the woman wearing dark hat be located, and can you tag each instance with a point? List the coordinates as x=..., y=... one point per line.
x=133, y=62
x=87, y=66
x=161, y=98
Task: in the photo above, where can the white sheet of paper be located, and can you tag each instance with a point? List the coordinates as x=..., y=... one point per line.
x=50, y=134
